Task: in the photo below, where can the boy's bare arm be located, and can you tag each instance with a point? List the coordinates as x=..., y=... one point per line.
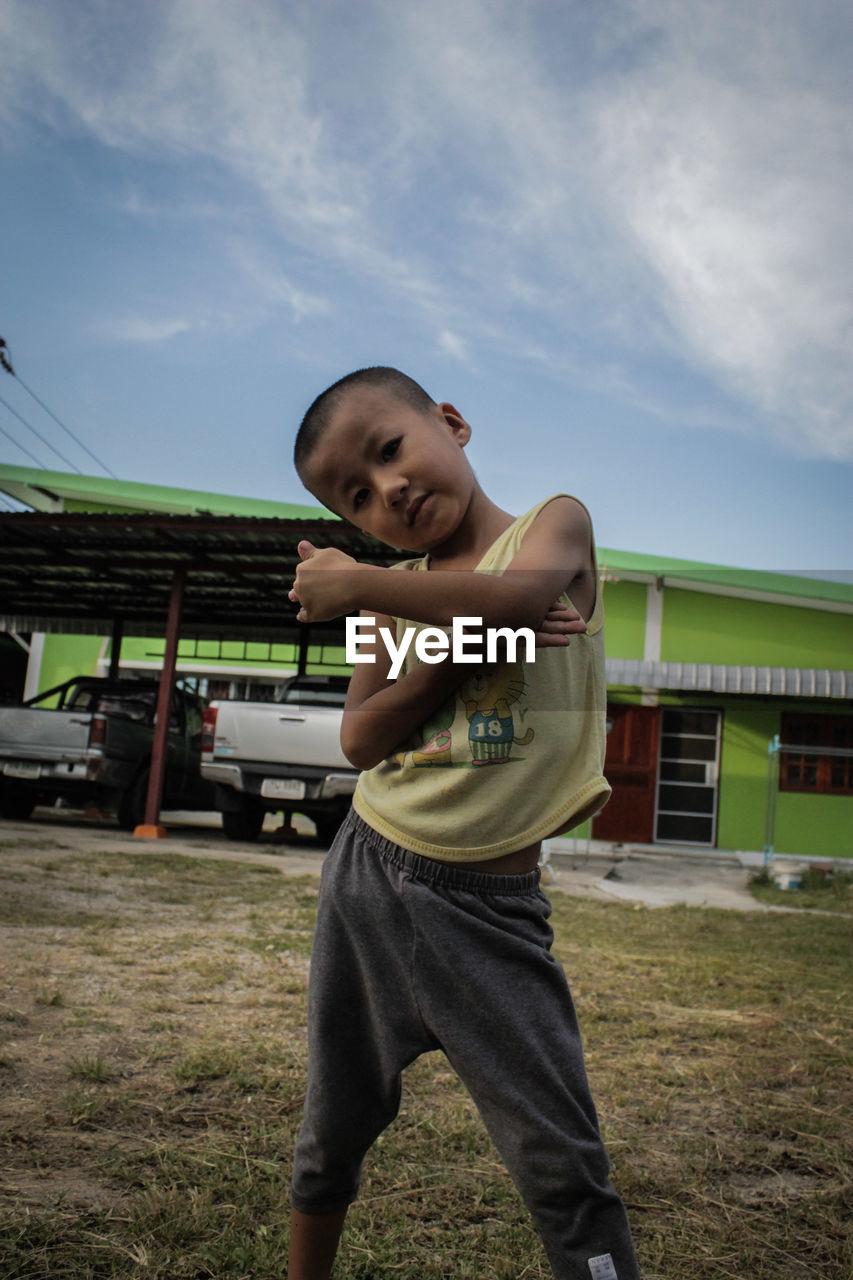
x=556, y=553
x=381, y=714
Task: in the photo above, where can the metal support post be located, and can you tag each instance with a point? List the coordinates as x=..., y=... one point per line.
x=115, y=648
x=151, y=829
x=304, y=640
x=772, y=788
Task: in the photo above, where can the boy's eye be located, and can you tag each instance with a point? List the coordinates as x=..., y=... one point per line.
x=359, y=498
x=388, y=450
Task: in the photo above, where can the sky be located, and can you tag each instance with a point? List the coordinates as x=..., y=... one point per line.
x=614, y=234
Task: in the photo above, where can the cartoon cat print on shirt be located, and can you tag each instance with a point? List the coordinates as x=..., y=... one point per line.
x=487, y=698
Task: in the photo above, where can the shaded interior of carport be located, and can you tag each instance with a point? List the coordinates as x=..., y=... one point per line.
x=198, y=577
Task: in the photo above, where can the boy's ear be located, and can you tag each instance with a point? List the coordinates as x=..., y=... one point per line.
x=460, y=429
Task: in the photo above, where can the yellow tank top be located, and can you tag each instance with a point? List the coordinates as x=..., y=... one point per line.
x=515, y=754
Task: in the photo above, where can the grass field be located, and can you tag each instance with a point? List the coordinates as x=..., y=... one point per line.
x=152, y=1068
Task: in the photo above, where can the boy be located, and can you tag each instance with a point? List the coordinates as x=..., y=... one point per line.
x=432, y=930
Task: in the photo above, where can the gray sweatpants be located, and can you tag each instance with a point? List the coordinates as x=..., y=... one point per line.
x=411, y=955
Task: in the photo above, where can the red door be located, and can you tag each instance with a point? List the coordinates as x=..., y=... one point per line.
x=630, y=767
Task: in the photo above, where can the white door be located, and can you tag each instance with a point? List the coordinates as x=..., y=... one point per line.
x=688, y=769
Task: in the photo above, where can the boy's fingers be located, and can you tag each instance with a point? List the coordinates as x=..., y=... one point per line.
x=562, y=625
x=563, y=610
x=549, y=639
x=306, y=549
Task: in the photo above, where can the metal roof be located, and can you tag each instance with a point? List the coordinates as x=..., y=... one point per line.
x=56, y=491
x=79, y=572
x=831, y=592
x=703, y=677
x=62, y=491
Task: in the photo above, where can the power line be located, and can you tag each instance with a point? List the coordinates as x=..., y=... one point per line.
x=43, y=439
x=7, y=365
x=68, y=430
x=23, y=450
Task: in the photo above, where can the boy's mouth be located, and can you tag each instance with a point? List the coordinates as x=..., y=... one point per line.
x=413, y=510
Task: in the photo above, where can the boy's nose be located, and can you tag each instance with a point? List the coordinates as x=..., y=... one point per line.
x=393, y=489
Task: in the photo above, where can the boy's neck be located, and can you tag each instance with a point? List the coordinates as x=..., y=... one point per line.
x=483, y=522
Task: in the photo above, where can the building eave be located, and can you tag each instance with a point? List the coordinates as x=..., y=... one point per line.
x=703, y=677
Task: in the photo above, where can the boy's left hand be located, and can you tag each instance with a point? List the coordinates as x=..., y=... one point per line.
x=327, y=594
x=559, y=623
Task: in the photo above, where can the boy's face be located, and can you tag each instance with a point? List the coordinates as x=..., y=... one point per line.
x=394, y=471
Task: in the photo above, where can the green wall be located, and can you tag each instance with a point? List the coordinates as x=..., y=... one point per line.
x=625, y=619
x=811, y=825
x=821, y=826
x=748, y=728
x=700, y=627
x=66, y=656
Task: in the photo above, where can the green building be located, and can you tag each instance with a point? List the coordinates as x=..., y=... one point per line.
x=730, y=715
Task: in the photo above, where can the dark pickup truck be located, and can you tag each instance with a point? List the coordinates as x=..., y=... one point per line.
x=88, y=742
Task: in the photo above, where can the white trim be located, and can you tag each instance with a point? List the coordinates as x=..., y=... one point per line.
x=654, y=621
x=652, y=635
x=721, y=589
x=208, y=669
x=31, y=684
x=39, y=499
x=763, y=597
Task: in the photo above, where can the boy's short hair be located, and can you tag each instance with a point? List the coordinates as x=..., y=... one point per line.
x=397, y=384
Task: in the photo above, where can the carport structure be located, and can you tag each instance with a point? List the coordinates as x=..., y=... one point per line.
x=197, y=576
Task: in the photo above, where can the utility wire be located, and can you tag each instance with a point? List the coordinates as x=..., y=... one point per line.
x=67, y=430
x=23, y=450
x=7, y=365
x=43, y=439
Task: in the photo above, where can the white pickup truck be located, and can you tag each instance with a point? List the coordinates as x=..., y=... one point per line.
x=280, y=757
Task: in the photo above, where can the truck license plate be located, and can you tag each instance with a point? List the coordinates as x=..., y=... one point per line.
x=283, y=788
x=21, y=769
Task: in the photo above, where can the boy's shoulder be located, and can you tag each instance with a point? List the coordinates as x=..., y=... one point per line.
x=560, y=521
x=560, y=507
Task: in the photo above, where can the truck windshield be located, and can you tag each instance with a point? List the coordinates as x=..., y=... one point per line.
x=316, y=695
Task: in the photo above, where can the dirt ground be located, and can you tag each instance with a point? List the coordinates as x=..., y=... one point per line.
x=91, y=1004
x=587, y=868
x=55, y=973
x=52, y=973
x=141, y=1040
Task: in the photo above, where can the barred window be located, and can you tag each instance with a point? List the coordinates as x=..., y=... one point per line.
x=817, y=754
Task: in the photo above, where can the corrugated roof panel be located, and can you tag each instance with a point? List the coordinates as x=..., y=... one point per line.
x=699, y=677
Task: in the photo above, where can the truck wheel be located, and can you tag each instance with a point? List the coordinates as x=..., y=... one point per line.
x=131, y=806
x=16, y=805
x=246, y=822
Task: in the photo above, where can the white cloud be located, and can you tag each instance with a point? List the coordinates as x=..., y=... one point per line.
x=453, y=345
x=135, y=328
x=585, y=184
x=269, y=283
x=732, y=174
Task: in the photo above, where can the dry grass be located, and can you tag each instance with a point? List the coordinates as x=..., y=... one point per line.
x=823, y=888
x=152, y=1069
